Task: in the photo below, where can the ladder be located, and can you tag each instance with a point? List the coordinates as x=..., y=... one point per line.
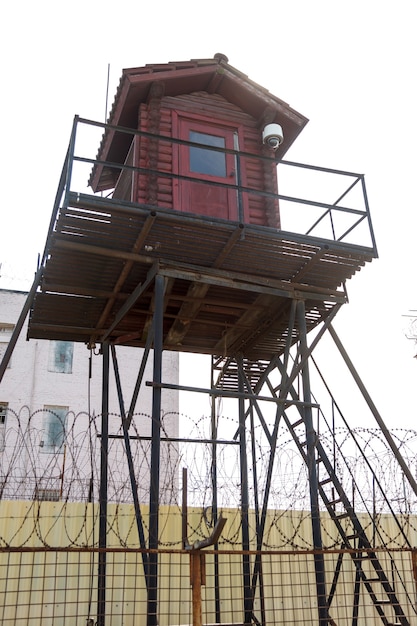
x=368, y=568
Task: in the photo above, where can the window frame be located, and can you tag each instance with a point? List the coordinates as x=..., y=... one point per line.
x=47, y=444
x=4, y=407
x=6, y=332
x=198, y=157
x=63, y=365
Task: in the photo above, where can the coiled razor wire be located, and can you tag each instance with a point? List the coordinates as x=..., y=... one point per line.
x=69, y=478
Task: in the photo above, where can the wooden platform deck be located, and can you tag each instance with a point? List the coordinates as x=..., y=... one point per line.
x=229, y=286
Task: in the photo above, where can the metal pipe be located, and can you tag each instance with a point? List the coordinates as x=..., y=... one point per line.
x=258, y=560
x=20, y=322
x=104, y=451
x=184, y=517
x=244, y=490
x=214, y=502
x=361, y=449
x=139, y=379
x=70, y=163
x=59, y=193
x=312, y=473
x=269, y=474
x=368, y=213
x=197, y=564
x=230, y=442
x=231, y=394
x=374, y=411
x=128, y=450
x=155, y=453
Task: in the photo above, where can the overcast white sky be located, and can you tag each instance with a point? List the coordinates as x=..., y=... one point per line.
x=349, y=67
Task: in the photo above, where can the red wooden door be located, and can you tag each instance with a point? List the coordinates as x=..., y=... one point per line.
x=205, y=167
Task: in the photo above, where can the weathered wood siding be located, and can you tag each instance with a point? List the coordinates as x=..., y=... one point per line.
x=157, y=117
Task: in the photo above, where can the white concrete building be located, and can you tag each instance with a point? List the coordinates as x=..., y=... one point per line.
x=50, y=424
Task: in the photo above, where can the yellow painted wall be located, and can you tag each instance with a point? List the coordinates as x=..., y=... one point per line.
x=48, y=567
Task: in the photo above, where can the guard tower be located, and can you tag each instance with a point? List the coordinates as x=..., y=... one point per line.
x=182, y=244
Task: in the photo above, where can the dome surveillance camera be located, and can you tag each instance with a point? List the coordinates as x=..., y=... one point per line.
x=272, y=136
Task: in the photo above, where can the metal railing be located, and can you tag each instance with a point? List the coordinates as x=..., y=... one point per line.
x=313, y=201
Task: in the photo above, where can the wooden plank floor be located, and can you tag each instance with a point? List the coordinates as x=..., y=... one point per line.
x=228, y=286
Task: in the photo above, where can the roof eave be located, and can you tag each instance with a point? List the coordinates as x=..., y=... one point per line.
x=215, y=76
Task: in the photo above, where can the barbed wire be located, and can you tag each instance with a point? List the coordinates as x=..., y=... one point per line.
x=58, y=486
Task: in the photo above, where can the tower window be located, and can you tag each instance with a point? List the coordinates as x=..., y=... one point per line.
x=203, y=161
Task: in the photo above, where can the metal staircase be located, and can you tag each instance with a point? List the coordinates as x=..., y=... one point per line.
x=380, y=581
x=353, y=537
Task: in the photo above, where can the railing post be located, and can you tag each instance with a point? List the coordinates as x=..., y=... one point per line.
x=368, y=213
x=197, y=570
x=71, y=151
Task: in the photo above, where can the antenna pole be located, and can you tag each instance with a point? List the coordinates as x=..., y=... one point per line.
x=107, y=93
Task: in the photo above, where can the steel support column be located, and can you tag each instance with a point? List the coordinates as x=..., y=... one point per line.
x=214, y=504
x=19, y=325
x=155, y=453
x=139, y=379
x=131, y=467
x=312, y=472
x=104, y=450
x=244, y=490
x=257, y=573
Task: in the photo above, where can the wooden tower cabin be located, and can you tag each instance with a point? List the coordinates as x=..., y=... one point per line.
x=181, y=107
x=181, y=243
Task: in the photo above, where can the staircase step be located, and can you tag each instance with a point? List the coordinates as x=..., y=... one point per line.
x=355, y=536
x=334, y=502
x=342, y=515
x=326, y=481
